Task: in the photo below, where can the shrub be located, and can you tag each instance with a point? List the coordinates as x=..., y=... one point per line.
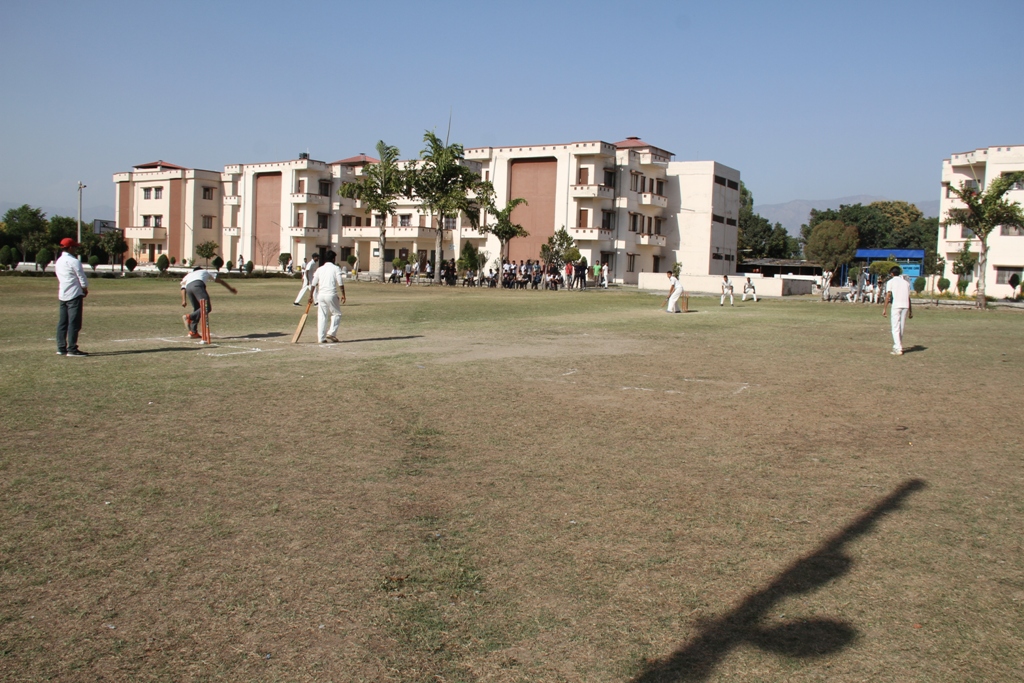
x=130, y=264
x=94, y=261
x=231, y=265
x=248, y=267
x=162, y=263
x=961, y=285
x=283, y=258
x=943, y=284
x=1014, y=282
x=174, y=259
x=351, y=260
x=218, y=262
x=43, y=257
x=919, y=284
x=5, y=256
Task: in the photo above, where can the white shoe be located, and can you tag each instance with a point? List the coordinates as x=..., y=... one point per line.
x=894, y=352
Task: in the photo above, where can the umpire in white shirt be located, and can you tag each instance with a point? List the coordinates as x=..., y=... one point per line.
x=74, y=287
x=327, y=282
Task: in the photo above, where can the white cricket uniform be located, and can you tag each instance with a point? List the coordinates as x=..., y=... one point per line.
x=308, y=270
x=604, y=275
x=748, y=288
x=726, y=292
x=900, y=290
x=327, y=282
x=673, y=299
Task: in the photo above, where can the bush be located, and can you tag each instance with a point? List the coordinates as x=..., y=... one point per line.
x=1014, y=281
x=94, y=261
x=943, y=284
x=351, y=260
x=961, y=286
x=130, y=264
x=43, y=257
x=174, y=260
x=231, y=265
x=248, y=267
x=919, y=284
x=162, y=263
x=218, y=262
x=283, y=258
x=5, y=256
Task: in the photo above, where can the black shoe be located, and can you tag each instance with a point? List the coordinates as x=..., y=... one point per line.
x=77, y=354
x=296, y=304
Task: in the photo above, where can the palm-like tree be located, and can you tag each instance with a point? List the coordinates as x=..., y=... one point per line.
x=447, y=187
x=503, y=228
x=379, y=187
x=982, y=213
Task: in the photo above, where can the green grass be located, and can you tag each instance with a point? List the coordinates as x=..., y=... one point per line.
x=491, y=485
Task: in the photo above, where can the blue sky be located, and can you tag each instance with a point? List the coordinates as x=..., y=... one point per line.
x=809, y=100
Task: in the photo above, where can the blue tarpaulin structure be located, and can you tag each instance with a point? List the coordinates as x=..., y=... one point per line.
x=911, y=261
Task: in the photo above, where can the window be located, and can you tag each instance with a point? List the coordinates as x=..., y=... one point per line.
x=630, y=263
x=158, y=193
x=730, y=257
x=584, y=217
x=584, y=176
x=300, y=220
x=733, y=185
x=301, y=189
x=657, y=264
x=730, y=221
x=660, y=188
x=716, y=257
x=1019, y=185
x=609, y=177
x=207, y=193
x=405, y=220
x=207, y=222
x=346, y=221
x=147, y=192
x=657, y=226
x=966, y=233
x=636, y=182
x=449, y=223
x=719, y=180
x=159, y=248
x=321, y=220
x=359, y=221
x=158, y=221
x=146, y=221
x=716, y=218
x=608, y=220
x=650, y=224
x=378, y=220
x=1010, y=231
x=1004, y=273
x=325, y=188
x=634, y=222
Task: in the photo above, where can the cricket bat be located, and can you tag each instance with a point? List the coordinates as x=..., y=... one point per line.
x=302, y=322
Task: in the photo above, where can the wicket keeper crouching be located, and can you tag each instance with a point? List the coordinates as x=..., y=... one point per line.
x=193, y=286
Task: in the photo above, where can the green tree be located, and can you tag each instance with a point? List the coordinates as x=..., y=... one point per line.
x=557, y=247
x=283, y=258
x=59, y=227
x=981, y=213
x=27, y=229
x=206, y=250
x=874, y=228
x=831, y=244
x=901, y=216
x=963, y=266
x=447, y=187
x=162, y=263
x=6, y=257
x=94, y=261
x=881, y=268
x=503, y=228
x=470, y=258
x=113, y=245
x=43, y=258
x=378, y=189
x=919, y=284
x=943, y=284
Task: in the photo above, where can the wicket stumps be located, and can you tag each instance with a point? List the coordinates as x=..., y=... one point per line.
x=204, y=323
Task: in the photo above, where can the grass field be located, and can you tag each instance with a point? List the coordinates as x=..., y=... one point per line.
x=481, y=485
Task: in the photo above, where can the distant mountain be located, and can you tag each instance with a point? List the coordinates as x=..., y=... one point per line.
x=797, y=212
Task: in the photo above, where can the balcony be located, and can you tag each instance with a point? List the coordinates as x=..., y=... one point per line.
x=307, y=198
x=232, y=200
x=651, y=199
x=471, y=234
x=652, y=159
x=145, y=233
x=299, y=231
x=589, y=234
x=231, y=232
x=592, y=192
x=361, y=231
x=651, y=240
x=410, y=232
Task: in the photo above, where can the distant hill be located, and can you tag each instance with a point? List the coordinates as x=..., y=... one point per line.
x=797, y=212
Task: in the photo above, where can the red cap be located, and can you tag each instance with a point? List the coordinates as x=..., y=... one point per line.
x=68, y=243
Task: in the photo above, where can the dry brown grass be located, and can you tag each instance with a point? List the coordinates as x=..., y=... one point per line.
x=507, y=486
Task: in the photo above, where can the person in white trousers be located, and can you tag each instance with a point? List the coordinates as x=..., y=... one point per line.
x=675, y=290
x=327, y=282
x=897, y=294
x=748, y=288
x=308, y=270
x=604, y=275
x=726, y=291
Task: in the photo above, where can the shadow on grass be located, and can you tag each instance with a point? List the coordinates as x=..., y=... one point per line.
x=258, y=335
x=132, y=352
x=373, y=339
x=696, y=660
x=916, y=347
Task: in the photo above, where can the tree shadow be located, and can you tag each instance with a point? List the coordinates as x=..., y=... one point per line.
x=696, y=660
x=374, y=339
x=131, y=352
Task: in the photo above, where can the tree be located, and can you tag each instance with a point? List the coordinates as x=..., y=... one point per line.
x=267, y=250
x=112, y=243
x=901, y=216
x=982, y=213
x=503, y=228
x=43, y=257
x=555, y=251
x=59, y=227
x=94, y=261
x=447, y=188
x=27, y=229
x=963, y=266
x=831, y=244
x=378, y=189
x=1014, y=282
x=6, y=257
x=162, y=263
x=130, y=264
x=874, y=229
x=470, y=258
x=206, y=250
x=283, y=258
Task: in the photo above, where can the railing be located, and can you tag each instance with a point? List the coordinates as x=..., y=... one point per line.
x=308, y=198
x=651, y=199
x=651, y=240
x=593, y=191
x=145, y=232
x=232, y=200
x=300, y=231
x=584, y=233
x=231, y=232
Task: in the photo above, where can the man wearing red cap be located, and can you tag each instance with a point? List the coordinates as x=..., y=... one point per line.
x=74, y=287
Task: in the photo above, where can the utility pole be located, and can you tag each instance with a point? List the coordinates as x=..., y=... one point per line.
x=80, y=188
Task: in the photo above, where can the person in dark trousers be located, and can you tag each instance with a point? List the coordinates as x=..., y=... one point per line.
x=74, y=287
x=193, y=286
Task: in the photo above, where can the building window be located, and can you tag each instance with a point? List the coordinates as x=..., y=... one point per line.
x=158, y=221
x=718, y=219
x=966, y=233
x=301, y=189
x=650, y=225
x=730, y=221
x=730, y=257
x=608, y=220
x=636, y=182
x=584, y=218
x=1019, y=185
x=159, y=248
x=300, y=220
x=158, y=193
x=325, y=188
x=660, y=188
x=719, y=180
x=405, y=220
x=146, y=220
x=147, y=192
x=207, y=222
x=657, y=264
x=630, y=263
x=321, y=220
x=716, y=257
x=634, y=222
x=657, y=226
x=609, y=177
x=346, y=221
x=1010, y=231
x=378, y=220
x=733, y=185
x=583, y=177
x=1004, y=273
x=449, y=223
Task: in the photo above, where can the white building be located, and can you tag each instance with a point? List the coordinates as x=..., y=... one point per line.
x=1006, y=245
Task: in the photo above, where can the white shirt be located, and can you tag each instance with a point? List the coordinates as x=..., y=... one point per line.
x=748, y=287
x=328, y=278
x=900, y=290
x=309, y=267
x=674, y=282
x=70, y=277
x=203, y=276
x=726, y=286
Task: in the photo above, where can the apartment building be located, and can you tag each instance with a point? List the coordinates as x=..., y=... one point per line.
x=1006, y=245
x=626, y=204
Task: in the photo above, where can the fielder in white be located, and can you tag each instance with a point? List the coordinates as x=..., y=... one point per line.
x=308, y=270
x=327, y=281
x=604, y=275
x=726, y=291
x=897, y=293
x=675, y=290
x=748, y=288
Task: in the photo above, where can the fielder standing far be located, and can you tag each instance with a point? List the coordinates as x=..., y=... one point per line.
x=308, y=270
x=748, y=288
x=726, y=291
x=327, y=281
x=897, y=294
x=675, y=290
x=193, y=286
x=74, y=287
